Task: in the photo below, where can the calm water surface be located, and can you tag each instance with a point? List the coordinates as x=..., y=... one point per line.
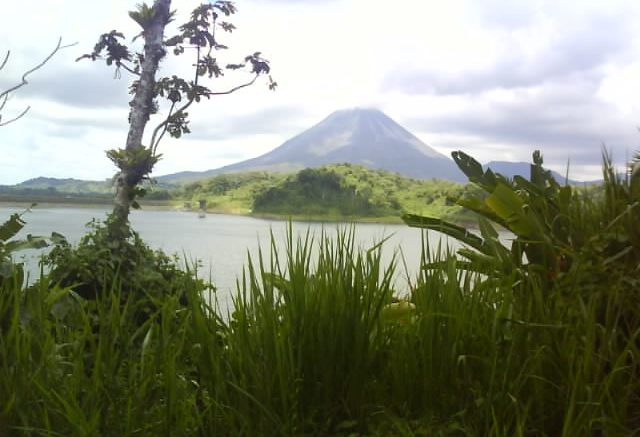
x=221, y=242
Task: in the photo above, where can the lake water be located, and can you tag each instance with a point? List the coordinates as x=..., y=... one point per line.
x=221, y=242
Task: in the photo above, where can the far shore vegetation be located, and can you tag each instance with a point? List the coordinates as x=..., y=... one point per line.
x=337, y=192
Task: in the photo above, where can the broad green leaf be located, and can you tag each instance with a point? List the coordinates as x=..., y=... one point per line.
x=486, y=230
x=524, y=184
x=30, y=243
x=474, y=171
x=479, y=207
x=510, y=207
x=492, y=241
x=11, y=227
x=455, y=231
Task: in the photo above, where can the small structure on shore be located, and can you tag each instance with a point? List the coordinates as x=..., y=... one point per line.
x=202, y=208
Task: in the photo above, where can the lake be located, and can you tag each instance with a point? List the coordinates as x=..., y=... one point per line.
x=221, y=242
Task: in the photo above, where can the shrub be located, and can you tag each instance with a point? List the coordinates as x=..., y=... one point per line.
x=100, y=264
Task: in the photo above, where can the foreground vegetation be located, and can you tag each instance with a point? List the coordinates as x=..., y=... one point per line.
x=118, y=341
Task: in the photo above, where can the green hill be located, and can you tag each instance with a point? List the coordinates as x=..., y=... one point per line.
x=68, y=185
x=333, y=192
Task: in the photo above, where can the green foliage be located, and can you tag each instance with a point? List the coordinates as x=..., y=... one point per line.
x=140, y=161
x=538, y=211
x=315, y=192
x=330, y=192
x=231, y=193
x=9, y=245
x=56, y=186
x=569, y=313
x=316, y=344
x=51, y=190
x=70, y=366
x=100, y=263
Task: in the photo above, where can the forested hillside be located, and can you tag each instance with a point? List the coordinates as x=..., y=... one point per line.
x=329, y=192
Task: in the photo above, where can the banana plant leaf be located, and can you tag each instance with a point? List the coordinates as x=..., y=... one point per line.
x=479, y=207
x=31, y=242
x=455, y=231
x=511, y=209
x=11, y=227
x=486, y=179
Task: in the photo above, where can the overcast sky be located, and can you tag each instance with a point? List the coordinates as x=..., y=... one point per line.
x=495, y=78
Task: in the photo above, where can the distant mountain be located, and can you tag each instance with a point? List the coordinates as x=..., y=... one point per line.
x=68, y=185
x=357, y=136
x=510, y=169
x=45, y=186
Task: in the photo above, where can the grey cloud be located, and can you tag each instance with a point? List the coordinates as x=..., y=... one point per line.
x=270, y=121
x=562, y=123
x=579, y=51
x=80, y=87
x=93, y=119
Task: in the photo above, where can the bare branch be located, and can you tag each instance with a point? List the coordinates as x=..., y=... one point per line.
x=19, y=116
x=6, y=58
x=129, y=69
x=4, y=95
x=234, y=89
x=24, y=81
x=4, y=101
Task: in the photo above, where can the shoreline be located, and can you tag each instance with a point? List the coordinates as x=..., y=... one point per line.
x=177, y=206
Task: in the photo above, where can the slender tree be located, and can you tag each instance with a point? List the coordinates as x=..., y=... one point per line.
x=197, y=38
x=4, y=95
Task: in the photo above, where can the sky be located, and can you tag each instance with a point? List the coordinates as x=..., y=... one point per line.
x=497, y=79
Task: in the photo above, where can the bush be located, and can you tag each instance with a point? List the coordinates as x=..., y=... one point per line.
x=100, y=263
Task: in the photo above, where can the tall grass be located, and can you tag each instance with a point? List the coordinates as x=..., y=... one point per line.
x=309, y=349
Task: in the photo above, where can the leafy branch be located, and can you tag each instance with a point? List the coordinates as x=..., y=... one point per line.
x=198, y=35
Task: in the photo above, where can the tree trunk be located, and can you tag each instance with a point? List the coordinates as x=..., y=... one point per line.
x=141, y=109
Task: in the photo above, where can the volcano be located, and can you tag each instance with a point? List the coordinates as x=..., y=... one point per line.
x=361, y=136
